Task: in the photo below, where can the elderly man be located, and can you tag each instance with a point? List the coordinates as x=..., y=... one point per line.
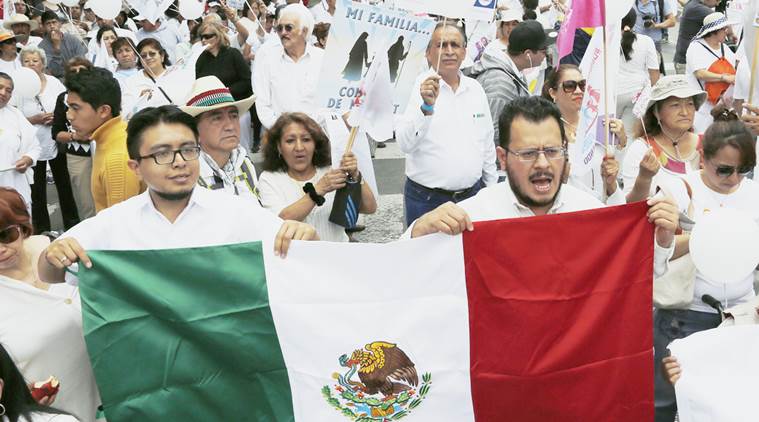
x=285, y=77
x=59, y=47
x=224, y=163
x=533, y=150
x=447, y=131
x=22, y=28
x=501, y=73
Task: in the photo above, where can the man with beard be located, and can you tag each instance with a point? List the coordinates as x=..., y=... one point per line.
x=173, y=212
x=533, y=150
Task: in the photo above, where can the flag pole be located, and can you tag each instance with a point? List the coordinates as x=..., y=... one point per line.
x=440, y=50
x=606, y=95
x=752, y=84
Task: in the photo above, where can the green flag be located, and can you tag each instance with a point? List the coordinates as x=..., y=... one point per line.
x=177, y=335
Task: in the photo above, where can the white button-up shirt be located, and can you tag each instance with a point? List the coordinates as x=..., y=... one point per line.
x=283, y=85
x=210, y=218
x=452, y=148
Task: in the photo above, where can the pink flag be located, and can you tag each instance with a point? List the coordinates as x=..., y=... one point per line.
x=582, y=14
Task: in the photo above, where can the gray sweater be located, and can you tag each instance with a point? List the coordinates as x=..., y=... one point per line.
x=71, y=47
x=501, y=84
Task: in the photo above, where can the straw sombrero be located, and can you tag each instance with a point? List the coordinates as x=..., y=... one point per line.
x=208, y=93
x=19, y=18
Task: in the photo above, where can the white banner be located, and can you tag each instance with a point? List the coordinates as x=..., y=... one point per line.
x=483, y=10
x=361, y=32
x=720, y=368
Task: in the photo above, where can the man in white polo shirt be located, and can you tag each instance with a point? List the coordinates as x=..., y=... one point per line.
x=446, y=131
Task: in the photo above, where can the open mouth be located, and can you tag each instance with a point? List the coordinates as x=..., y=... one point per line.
x=541, y=183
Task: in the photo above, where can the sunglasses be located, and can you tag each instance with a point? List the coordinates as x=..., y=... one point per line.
x=284, y=28
x=727, y=171
x=147, y=54
x=207, y=36
x=10, y=234
x=570, y=86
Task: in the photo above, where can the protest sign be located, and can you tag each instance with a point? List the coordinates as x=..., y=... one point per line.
x=361, y=32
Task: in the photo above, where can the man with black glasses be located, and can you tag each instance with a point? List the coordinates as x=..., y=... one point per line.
x=173, y=212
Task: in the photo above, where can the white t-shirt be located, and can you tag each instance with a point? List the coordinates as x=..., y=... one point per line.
x=746, y=199
x=10, y=66
x=633, y=74
x=700, y=57
x=278, y=191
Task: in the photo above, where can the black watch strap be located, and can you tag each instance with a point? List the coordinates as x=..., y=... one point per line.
x=311, y=191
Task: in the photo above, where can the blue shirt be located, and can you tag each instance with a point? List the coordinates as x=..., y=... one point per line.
x=651, y=9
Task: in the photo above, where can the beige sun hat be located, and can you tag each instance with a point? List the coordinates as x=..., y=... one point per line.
x=209, y=93
x=675, y=86
x=19, y=18
x=713, y=22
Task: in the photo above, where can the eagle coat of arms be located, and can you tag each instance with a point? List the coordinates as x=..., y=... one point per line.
x=387, y=388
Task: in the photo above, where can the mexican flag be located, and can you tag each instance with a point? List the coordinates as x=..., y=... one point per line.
x=536, y=319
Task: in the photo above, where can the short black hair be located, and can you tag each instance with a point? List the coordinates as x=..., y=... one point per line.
x=49, y=15
x=153, y=116
x=7, y=77
x=533, y=109
x=97, y=87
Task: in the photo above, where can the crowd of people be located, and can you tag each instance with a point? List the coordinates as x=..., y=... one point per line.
x=141, y=161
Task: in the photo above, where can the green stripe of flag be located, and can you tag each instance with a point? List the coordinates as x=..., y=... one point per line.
x=184, y=334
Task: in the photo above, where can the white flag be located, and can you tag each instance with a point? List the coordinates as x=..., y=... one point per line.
x=640, y=101
x=374, y=113
x=483, y=10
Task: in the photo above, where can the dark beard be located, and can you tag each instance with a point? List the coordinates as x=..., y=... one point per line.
x=177, y=196
x=526, y=200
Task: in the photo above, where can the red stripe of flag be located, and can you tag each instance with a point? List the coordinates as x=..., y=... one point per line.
x=561, y=327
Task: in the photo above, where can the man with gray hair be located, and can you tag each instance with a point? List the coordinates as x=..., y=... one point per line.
x=293, y=68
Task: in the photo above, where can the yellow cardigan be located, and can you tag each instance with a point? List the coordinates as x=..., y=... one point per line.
x=112, y=180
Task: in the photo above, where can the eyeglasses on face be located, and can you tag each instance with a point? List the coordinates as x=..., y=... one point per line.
x=207, y=36
x=146, y=54
x=10, y=234
x=284, y=28
x=169, y=156
x=570, y=86
x=727, y=171
x=529, y=155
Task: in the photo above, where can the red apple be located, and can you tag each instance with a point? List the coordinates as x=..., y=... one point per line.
x=47, y=388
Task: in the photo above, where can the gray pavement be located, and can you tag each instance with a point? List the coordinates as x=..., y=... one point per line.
x=389, y=164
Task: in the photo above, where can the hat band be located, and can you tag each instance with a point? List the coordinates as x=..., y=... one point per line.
x=708, y=27
x=211, y=98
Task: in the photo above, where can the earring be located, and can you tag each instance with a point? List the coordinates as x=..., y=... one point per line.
x=2, y=409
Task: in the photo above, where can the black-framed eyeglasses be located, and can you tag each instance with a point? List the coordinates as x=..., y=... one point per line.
x=169, y=156
x=10, y=234
x=284, y=28
x=531, y=154
x=207, y=36
x=727, y=171
x=570, y=86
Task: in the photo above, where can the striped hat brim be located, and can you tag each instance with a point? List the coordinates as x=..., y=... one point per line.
x=214, y=102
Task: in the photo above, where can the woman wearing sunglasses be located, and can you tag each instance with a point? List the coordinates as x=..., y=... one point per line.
x=566, y=87
x=41, y=324
x=145, y=89
x=666, y=149
x=729, y=155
